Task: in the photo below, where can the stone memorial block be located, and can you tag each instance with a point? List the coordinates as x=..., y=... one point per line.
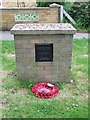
x=44, y=51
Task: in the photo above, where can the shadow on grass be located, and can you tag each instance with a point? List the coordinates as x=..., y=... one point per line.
x=12, y=80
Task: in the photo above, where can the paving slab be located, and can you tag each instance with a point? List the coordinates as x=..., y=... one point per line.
x=6, y=35
x=82, y=35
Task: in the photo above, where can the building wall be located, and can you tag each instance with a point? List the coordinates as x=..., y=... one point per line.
x=18, y=3
x=46, y=15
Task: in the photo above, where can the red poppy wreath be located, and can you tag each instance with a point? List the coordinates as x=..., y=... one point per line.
x=45, y=90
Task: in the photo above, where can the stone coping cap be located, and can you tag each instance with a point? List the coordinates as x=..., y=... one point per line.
x=43, y=28
x=54, y=5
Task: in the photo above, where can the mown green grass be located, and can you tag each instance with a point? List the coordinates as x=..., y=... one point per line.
x=7, y=48
x=72, y=101
x=8, y=63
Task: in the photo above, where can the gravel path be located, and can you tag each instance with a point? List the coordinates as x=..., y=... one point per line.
x=6, y=35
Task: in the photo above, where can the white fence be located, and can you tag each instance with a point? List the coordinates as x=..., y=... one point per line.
x=62, y=13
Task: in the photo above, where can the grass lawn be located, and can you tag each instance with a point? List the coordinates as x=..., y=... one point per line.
x=19, y=102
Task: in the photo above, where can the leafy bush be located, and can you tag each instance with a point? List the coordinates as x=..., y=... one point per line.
x=79, y=12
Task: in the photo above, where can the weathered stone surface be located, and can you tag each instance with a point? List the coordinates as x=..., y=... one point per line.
x=42, y=28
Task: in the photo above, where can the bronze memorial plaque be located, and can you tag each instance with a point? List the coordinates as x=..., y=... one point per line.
x=43, y=52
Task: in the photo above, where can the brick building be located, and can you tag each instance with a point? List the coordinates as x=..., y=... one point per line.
x=16, y=15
